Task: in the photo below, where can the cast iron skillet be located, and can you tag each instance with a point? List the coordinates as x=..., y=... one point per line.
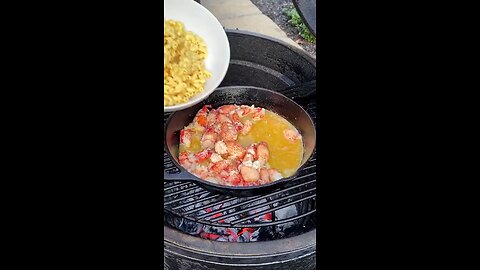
x=259, y=97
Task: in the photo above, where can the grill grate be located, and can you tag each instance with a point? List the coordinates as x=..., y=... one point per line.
x=195, y=204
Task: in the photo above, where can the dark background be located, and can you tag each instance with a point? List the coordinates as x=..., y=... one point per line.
x=82, y=101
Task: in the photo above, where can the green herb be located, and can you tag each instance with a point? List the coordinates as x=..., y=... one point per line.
x=296, y=20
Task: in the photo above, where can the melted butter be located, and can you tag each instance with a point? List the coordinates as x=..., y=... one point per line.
x=195, y=145
x=285, y=156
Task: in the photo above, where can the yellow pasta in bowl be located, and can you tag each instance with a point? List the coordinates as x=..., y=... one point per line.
x=196, y=54
x=183, y=62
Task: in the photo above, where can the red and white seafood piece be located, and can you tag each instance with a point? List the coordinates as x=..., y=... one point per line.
x=274, y=175
x=183, y=160
x=212, y=118
x=186, y=137
x=221, y=148
x=222, y=118
x=249, y=174
x=227, y=109
x=250, y=154
x=220, y=166
x=244, y=110
x=235, y=150
x=203, y=155
x=258, y=114
x=235, y=117
x=201, y=171
x=201, y=117
x=234, y=179
x=238, y=127
x=215, y=158
x=262, y=153
x=291, y=135
x=264, y=176
x=208, y=139
x=228, y=132
x=246, y=127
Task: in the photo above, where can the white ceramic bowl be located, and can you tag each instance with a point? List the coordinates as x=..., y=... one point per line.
x=199, y=20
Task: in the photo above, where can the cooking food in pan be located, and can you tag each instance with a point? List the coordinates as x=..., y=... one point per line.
x=259, y=97
x=240, y=145
x=183, y=63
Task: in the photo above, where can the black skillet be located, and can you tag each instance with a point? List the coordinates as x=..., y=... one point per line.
x=270, y=100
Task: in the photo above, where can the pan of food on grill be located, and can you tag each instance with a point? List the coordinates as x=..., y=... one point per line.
x=242, y=141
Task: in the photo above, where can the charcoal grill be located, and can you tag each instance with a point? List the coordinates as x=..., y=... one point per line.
x=204, y=230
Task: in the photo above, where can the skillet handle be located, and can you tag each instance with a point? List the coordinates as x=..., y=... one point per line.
x=182, y=176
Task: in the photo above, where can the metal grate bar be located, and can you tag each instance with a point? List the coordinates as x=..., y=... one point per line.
x=181, y=191
x=252, y=225
x=175, y=186
x=270, y=202
x=310, y=167
x=271, y=210
x=186, y=197
x=249, y=225
x=253, y=200
x=196, y=201
x=207, y=206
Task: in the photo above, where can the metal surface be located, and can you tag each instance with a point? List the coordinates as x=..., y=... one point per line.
x=307, y=9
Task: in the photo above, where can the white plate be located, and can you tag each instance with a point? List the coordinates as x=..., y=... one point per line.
x=199, y=20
